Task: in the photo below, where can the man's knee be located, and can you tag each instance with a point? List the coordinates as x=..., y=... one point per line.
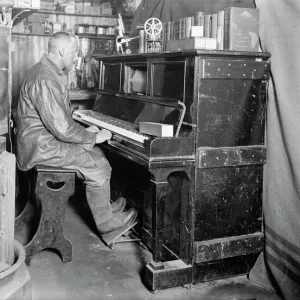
x=101, y=173
x=104, y=173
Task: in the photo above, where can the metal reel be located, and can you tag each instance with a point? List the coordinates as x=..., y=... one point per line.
x=153, y=28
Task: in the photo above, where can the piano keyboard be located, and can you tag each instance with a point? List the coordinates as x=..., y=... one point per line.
x=114, y=125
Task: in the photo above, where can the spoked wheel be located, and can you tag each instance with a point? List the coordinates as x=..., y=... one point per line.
x=153, y=28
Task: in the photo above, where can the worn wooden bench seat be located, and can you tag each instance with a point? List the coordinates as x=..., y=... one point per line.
x=52, y=188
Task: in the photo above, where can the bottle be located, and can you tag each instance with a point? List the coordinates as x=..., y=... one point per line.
x=72, y=78
x=80, y=61
x=48, y=27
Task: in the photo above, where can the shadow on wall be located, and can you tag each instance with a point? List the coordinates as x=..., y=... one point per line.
x=26, y=51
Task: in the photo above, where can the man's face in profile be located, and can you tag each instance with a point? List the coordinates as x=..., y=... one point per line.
x=70, y=54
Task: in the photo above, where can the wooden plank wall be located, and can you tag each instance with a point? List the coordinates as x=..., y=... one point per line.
x=28, y=50
x=4, y=74
x=7, y=207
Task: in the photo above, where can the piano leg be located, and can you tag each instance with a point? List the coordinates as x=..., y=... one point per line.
x=163, y=193
x=161, y=273
x=169, y=198
x=159, y=195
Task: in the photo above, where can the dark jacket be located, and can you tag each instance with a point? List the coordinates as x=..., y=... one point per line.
x=46, y=132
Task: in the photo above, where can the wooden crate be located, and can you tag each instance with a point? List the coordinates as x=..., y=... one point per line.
x=7, y=205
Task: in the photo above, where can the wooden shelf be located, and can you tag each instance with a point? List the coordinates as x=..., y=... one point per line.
x=104, y=37
x=101, y=36
x=51, y=12
x=24, y=13
x=56, y=12
x=28, y=11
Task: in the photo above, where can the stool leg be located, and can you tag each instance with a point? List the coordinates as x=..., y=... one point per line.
x=24, y=217
x=52, y=191
x=24, y=194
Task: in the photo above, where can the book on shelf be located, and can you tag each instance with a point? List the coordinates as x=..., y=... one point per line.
x=192, y=20
x=199, y=18
x=168, y=31
x=197, y=31
x=182, y=28
x=175, y=23
x=188, y=26
x=241, y=29
x=171, y=30
x=202, y=21
x=214, y=25
x=220, y=30
x=234, y=28
x=165, y=34
x=207, y=26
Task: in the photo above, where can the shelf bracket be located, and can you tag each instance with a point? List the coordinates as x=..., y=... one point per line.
x=20, y=12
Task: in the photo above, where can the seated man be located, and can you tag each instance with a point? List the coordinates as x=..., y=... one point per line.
x=47, y=134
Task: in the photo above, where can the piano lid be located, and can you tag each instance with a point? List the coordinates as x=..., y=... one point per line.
x=135, y=109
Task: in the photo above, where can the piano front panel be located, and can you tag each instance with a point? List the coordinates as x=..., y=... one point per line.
x=231, y=113
x=231, y=102
x=135, y=79
x=168, y=79
x=111, y=77
x=228, y=201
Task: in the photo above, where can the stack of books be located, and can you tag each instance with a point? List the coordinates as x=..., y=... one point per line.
x=234, y=28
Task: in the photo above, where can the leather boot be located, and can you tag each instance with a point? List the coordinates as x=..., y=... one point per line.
x=118, y=205
x=98, y=198
x=117, y=221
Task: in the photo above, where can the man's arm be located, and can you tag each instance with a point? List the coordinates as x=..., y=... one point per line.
x=55, y=114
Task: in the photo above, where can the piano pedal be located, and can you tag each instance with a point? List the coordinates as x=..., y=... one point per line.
x=120, y=236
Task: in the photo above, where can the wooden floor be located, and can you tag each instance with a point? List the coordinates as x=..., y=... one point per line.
x=96, y=272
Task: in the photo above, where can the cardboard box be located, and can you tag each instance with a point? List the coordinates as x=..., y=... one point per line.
x=156, y=129
x=90, y=10
x=96, y=3
x=27, y=3
x=105, y=8
x=192, y=43
x=197, y=31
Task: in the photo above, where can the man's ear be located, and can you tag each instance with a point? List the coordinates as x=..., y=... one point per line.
x=61, y=52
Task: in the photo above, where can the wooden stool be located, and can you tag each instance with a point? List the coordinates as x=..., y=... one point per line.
x=52, y=188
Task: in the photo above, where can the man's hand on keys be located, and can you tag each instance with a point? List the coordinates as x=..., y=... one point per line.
x=93, y=128
x=102, y=136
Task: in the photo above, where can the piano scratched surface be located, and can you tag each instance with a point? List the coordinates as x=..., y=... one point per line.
x=199, y=193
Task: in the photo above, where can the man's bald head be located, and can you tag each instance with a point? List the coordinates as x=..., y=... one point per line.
x=63, y=49
x=60, y=40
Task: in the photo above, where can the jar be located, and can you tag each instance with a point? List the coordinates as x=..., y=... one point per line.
x=100, y=30
x=90, y=84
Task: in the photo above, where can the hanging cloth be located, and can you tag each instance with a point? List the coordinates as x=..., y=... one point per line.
x=279, y=267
